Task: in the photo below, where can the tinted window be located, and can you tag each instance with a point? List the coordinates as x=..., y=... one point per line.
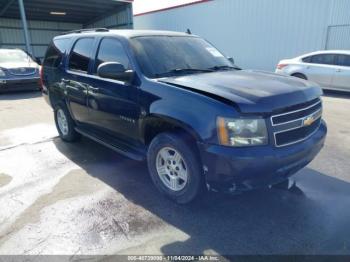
x=111, y=50
x=307, y=59
x=80, y=56
x=326, y=59
x=160, y=55
x=54, y=53
x=343, y=60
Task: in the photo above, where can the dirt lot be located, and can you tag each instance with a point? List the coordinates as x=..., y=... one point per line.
x=58, y=198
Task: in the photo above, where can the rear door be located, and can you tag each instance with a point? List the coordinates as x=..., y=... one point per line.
x=53, y=65
x=113, y=105
x=321, y=69
x=76, y=80
x=341, y=78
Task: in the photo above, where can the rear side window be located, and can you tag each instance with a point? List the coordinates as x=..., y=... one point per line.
x=307, y=59
x=80, y=55
x=55, y=52
x=343, y=60
x=111, y=50
x=324, y=59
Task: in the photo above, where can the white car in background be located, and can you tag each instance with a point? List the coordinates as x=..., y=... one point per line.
x=330, y=69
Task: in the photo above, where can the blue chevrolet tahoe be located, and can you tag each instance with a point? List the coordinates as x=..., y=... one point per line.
x=176, y=101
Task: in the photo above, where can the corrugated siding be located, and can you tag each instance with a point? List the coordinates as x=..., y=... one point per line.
x=121, y=19
x=41, y=33
x=338, y=37
x=340, y=12
x=256, y=33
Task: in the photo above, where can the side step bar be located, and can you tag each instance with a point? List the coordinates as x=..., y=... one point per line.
x=119, y=148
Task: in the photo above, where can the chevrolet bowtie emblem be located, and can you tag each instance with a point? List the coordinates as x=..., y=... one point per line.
x=309, y=120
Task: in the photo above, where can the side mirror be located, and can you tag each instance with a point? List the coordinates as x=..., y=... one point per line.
x=231, y=60
x=114, y=70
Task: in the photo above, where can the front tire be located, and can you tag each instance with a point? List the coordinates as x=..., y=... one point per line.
x=175, y=168
x=65, y=124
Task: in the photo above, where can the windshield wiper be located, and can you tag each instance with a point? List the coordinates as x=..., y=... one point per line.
x=184, y=70
x=180, y=70
x=224, y=67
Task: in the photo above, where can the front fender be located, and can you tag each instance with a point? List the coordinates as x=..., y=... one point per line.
x=191, y=110
x=196, y=117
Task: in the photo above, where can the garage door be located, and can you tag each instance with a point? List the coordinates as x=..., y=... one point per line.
x=338, y=37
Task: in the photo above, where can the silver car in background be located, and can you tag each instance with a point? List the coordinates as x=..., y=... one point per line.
x=18, y=71
x=330, y=69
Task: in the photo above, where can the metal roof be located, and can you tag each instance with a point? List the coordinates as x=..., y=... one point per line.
x=82, y=12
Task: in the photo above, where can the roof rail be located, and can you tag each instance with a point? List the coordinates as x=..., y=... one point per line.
x=79, y=31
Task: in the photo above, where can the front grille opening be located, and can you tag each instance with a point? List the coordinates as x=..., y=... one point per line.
x=22, y=71
x=276, y=120
x=299, y=134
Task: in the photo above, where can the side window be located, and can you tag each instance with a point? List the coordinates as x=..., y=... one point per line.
x=111, y=50
x=325, y=59
x=307, y=59
x=343, y=60
x=54, y=53
x=80, y=56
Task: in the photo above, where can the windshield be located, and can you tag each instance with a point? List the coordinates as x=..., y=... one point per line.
x=161, y=56
x=13, y=56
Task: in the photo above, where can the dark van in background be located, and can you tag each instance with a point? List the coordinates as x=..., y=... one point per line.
x=175, y=100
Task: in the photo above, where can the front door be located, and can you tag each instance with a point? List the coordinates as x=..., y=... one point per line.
x=113, y=105
x=321, y=69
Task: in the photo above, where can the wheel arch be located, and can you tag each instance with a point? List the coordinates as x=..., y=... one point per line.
x=296, y=74
x=155, y=124
x=55, y=98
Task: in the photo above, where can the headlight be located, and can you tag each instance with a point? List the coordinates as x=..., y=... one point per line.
x=242, y=132
x=2, y=73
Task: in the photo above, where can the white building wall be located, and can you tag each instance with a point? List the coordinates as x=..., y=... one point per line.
x=258, y=33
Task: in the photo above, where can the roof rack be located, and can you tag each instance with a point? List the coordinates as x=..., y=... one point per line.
x=79, y=31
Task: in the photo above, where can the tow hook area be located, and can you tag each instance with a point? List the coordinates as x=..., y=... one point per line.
x=239, y=188
x=289, y=185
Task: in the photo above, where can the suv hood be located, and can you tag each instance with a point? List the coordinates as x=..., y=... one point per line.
x=251, y=91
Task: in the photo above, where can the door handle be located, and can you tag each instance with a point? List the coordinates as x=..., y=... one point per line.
x=338, y=70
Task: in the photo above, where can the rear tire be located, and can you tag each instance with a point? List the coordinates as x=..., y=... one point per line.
x=299, y=75
x=65, y=124
x=175, y=168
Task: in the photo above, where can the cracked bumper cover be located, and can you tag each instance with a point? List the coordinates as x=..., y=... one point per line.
x=253, y=167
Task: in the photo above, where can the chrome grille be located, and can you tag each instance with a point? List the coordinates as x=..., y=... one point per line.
x=22, y=71
x=297, y=125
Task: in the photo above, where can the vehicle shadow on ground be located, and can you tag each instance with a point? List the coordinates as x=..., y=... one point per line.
x=19, y=95
x=311, y=218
